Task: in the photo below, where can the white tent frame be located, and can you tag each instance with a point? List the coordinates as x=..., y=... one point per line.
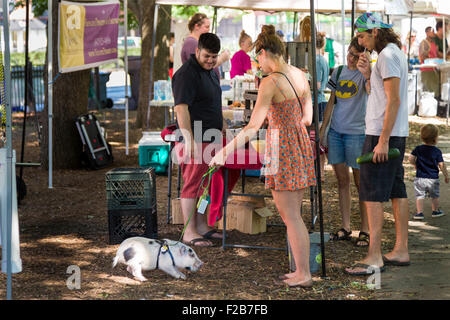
x=9, y=151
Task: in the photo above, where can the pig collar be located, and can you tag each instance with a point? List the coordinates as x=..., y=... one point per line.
x=164, y=248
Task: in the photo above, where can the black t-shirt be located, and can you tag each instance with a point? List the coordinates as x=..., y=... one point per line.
x=200, y=90
x=427, y=159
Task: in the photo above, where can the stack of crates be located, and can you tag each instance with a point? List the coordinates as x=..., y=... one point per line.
x=131, y=199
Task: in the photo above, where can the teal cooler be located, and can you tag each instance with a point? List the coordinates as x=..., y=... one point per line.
x=154, y=152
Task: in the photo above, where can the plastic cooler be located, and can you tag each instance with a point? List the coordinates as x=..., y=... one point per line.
x=154, y=152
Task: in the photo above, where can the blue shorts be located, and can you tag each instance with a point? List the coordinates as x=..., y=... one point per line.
x=344, y=148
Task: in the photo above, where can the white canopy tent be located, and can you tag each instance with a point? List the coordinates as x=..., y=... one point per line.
x=9, y=153
x=441, y=7
x=320, y=6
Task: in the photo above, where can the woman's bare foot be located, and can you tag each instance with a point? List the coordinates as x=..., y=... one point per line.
x=296, y=282
x=287, y=276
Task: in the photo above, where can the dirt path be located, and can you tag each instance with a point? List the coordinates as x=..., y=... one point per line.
x=428, y=276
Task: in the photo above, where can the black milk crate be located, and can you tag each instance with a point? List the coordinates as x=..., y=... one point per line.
x=124, y=224
x=131, y=188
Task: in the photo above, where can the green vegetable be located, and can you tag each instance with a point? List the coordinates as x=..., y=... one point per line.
x=368, y=157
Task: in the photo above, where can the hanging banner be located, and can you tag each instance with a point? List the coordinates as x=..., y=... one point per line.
x=88, y=34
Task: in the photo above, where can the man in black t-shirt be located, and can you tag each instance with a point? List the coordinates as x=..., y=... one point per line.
x=198, y=105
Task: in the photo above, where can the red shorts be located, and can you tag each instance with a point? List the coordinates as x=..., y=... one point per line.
x=193, y=171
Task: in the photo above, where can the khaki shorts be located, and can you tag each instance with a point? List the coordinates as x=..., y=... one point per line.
x=424, y=186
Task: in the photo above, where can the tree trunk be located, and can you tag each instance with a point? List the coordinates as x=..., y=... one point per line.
x=70, y=100
x=161, y=56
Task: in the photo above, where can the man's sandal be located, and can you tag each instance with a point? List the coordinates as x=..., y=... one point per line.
x=363, y=239
x=341, y=234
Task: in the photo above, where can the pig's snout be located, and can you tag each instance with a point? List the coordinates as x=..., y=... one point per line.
x=196, y=266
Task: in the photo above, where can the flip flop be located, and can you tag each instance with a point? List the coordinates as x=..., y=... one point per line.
x=194, y=242
x=395, y=262
x=366, y=272
x=209, y=235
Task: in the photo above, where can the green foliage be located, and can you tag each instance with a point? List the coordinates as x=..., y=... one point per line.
x=38, y=6
x=36, y=58
x=185, y=12
x=133, y=23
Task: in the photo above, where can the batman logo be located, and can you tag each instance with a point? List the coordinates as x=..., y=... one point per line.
x=346, y=89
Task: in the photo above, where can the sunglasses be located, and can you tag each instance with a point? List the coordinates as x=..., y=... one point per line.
x=255, y=57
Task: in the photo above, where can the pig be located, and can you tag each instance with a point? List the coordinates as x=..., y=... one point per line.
x=142, y=254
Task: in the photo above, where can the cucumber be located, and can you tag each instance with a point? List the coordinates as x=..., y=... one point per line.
x=368, y=157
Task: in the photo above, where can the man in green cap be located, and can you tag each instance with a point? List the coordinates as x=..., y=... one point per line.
x=386, y=127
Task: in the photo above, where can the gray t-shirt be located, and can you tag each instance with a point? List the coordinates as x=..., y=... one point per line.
x=391, y=63
x=350, y=109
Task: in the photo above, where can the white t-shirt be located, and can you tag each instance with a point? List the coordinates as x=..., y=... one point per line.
x=391, y=63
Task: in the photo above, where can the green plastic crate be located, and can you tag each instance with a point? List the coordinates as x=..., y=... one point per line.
x=131, y=188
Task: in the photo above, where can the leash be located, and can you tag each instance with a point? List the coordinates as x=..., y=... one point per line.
x=202, y=198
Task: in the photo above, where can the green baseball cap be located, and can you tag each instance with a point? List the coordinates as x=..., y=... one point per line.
x=369, y=20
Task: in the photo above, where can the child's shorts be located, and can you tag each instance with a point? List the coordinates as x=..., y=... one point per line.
x=422, y=186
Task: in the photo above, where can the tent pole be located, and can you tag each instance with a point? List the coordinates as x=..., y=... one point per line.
x=316, y=126
x=27, y=28
x=444, y=51
x=9, y=151
x=50, y=91
x=353, y=18
x=343, y=31
x=152, y=62
x=294, y=26
x=125, y=27
x=409, y=40
x=214, y=28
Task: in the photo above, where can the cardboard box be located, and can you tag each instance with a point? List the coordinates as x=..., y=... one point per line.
x=246, y=214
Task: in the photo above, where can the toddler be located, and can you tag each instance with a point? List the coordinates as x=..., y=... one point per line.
x=427, y=159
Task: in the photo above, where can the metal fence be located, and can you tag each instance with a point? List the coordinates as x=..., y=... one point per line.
x=18, y=87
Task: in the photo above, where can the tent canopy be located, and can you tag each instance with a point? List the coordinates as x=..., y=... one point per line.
x=440, y=7
x=322, y=6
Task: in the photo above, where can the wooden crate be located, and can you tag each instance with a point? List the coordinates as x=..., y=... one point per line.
x=177, y=214
x=246, y=214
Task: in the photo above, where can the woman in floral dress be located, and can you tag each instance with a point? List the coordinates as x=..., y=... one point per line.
x=284, y=97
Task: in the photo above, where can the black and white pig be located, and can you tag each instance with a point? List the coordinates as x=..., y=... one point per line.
x=142, y=254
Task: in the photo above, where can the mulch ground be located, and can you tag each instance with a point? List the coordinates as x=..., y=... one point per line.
x=68, y=225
